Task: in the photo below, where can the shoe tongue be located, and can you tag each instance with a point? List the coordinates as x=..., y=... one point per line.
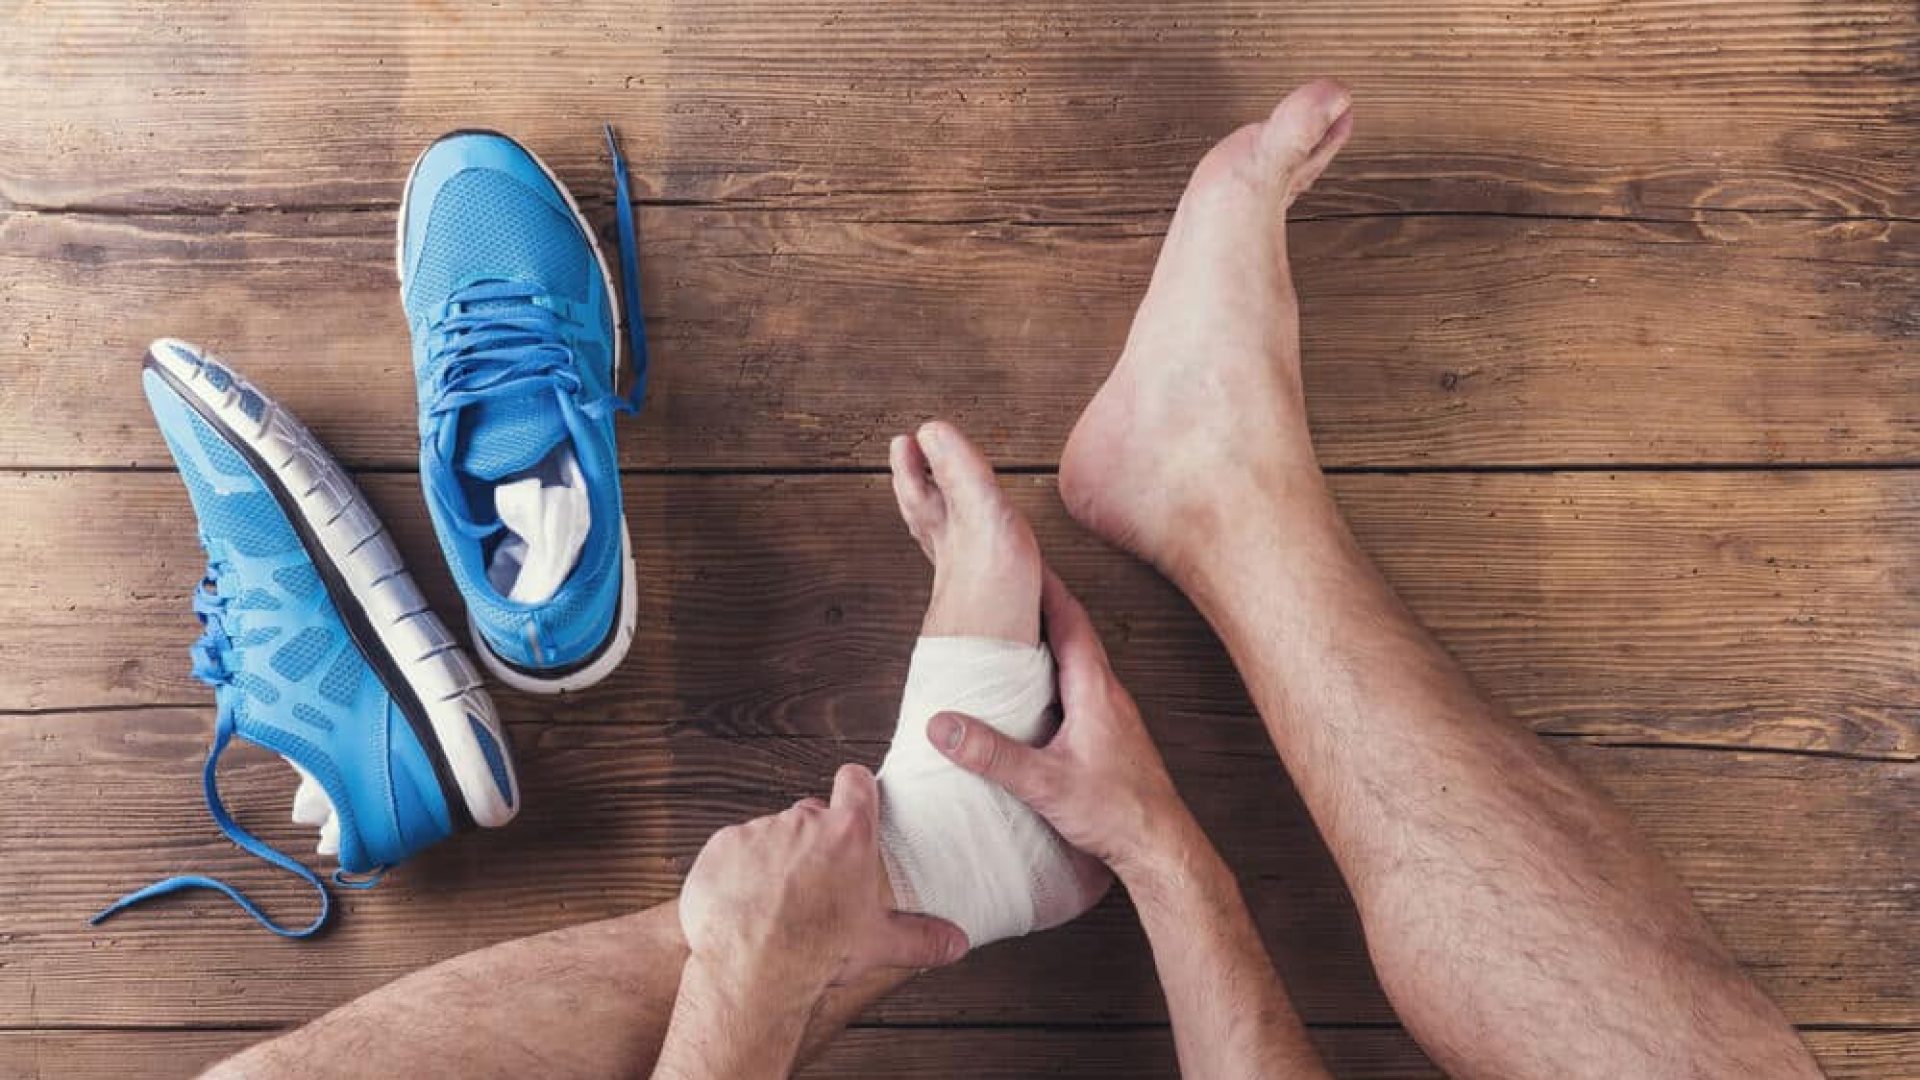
x=502, y=437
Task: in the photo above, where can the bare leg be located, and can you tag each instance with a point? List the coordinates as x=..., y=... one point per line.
x=1519, y=924
x=586, y=1001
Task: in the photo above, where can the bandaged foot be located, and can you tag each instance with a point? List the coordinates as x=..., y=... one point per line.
x=955, y=845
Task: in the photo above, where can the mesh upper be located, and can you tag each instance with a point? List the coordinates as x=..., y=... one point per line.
x=301, y=580
x=485, y=223
x=589, y=599
x=249, y=520
x=297, y=658
x=341, y=684
x=519, y=432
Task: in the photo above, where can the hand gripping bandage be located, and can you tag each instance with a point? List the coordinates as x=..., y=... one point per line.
x=958, y=846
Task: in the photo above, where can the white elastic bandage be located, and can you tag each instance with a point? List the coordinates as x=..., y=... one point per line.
x=955, y=845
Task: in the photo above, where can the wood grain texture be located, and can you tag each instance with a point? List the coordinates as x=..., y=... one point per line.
x=1800, y=862
x=1376, y=1054
x=984, y=1053
x=1566, y=233
x=1020, y=109
x=803, y=339
x=1745, y=609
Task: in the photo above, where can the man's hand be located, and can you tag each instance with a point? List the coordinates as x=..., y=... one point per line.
x=774, y=912
x=1099, y=782
x=1103, y=787
x=798, y=901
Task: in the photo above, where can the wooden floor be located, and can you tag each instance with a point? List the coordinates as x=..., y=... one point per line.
x=1612, y=322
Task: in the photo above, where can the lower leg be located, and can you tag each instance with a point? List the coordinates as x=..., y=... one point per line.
x=1517, y=920
x=587, y=1001
x=1519, y=924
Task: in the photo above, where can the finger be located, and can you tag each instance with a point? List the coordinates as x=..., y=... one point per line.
x=917, y=941
x=1076, y=646
x=981, y=750
x=810, y=803
x=855, y=790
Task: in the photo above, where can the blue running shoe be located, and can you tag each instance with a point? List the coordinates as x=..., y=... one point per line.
x=516, y=342
x=317, y=642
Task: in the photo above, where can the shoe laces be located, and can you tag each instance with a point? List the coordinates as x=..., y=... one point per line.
x=213, y=662
x=499, y=339
x=213, y=649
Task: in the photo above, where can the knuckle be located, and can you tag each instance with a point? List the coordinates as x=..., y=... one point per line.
x=984, y=752
x=850, y=827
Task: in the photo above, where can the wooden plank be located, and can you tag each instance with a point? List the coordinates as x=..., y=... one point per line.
x=1798, y=861
x=1755, y=609
x=1352, y=1054
x=986, y=1053
x=1356, y=1054
x=804, y=339
x=1011, y=109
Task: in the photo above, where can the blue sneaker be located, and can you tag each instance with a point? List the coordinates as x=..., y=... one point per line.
x=317, y=642
x=516, y=342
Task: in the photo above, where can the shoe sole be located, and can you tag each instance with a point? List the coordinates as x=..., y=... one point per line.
x=612, y=651
x=409, y=649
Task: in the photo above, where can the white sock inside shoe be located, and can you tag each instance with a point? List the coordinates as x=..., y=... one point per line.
x=546, y=515
x=312, y=807
x=957, y=846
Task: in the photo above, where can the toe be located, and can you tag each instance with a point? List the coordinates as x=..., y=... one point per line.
x=920, y=504
x=958, y=466
x=1304, y=132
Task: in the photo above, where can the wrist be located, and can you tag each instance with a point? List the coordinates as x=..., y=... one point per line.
x=1174, y=856
x=760, y=998
x=728, y=1022
x=750, y=979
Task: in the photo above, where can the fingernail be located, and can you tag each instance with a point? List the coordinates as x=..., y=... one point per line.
x=948, y=731
x=930, y=434
x=956, y=947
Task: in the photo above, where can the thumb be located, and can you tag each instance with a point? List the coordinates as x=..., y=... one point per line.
x=917, y=941
x=979, y=749
x=854, y=790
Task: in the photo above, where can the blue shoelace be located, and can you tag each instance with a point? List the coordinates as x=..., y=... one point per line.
x=212, y=659
x=629, y=273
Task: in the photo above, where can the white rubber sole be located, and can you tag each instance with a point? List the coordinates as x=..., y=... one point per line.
x=629, y=614
x=358, y=557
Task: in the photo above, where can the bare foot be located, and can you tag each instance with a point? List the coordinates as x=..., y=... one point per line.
x=1206, y=397
x=986, y=563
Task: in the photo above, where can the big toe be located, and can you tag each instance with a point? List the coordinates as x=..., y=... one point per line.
x=921, y=506
x=1304, y=132
x=962, y=471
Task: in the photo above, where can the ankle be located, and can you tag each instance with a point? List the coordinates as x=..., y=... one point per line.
x=1243, y=516
x=953, y=845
